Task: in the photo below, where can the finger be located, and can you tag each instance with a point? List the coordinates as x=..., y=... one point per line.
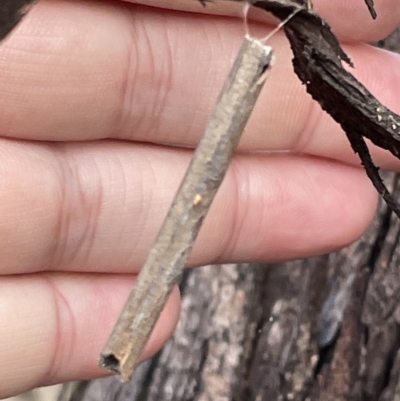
x=57, y=325
x=360, y=27
x=352, y=21
x=102, y=88
x=86, y=207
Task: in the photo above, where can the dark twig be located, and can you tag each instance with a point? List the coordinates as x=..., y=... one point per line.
x=11, y=13
x=207, y=169
x=370, y=5
x=360, y=147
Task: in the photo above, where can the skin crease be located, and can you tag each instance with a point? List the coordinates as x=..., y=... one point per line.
x=94, y=96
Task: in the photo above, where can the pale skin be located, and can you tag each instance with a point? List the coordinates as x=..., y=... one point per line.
x=88, y=91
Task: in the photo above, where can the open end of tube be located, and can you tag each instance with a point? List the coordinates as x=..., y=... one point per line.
x=110, y=362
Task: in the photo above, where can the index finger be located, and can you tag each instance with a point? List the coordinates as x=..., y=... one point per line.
x=350, y=20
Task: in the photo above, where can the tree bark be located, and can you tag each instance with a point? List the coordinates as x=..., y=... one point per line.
x=323, y=328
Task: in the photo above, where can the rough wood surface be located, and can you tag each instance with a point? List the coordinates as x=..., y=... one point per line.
x=325, y=328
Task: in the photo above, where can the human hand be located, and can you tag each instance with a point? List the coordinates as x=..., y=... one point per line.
x=93, y=98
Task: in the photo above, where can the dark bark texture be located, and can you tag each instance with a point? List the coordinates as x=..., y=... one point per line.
x=324, y=328
x=318, y=62
x=11, y=13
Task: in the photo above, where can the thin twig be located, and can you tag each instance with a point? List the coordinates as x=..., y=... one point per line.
x=207, y=169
